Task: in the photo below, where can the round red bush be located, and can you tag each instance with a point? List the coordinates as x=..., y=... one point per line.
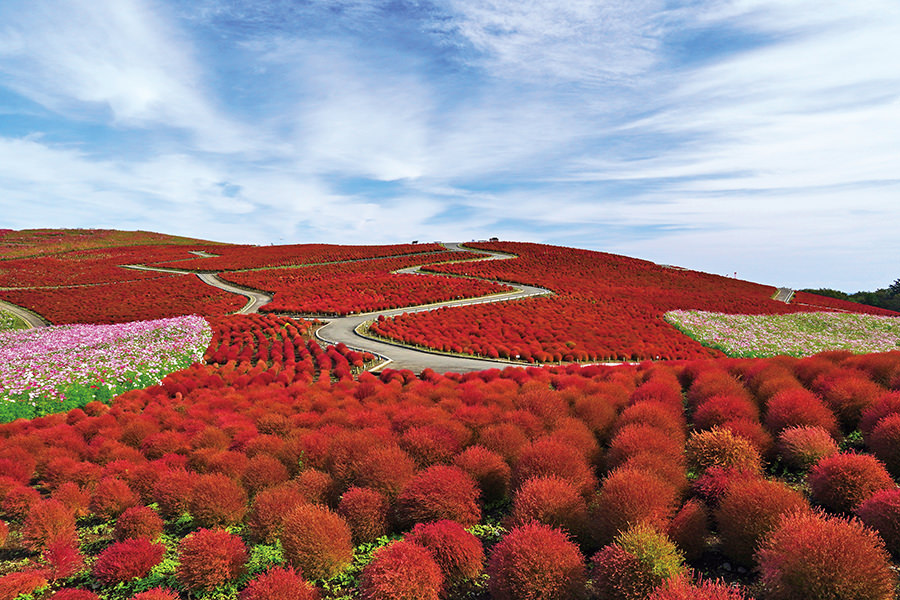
x=73, y=497
x=881, y=512
x=630, y=496
x=849, y=396
x=18, y=502
x=669, y=469
x=505, y=439
x=4, y=532
x=111, y=497
x=267, y=513
x=457, y=552
x=488, y=469
x=63, y=559
x=884, y=441
x=721, y=409
x=718, y=447
x=401, y=571
x=689, y=529
x=886, y=404
x=20, y=582
x=799, y=407
x=318, y=487
x=841, y=482
x=209, y=558
x=157, y=593
x=172, y=492
x=750, y=509
x=131, y=559
x=263, y=472
x=279, y=584
x=139, y=521
x=217, y=500
x=802, y=447
x=681, y=588
x=637, y=439
x=316, y=541
x=552, y=501
x=48, y=521
x=536, y=562
x=366, y=512
x=658, y=414
x=812, y=556
x=550, y=457
x=74, y=594
x=437, y=493
x=385, y=469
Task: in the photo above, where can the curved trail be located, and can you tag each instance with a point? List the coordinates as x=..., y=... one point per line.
x=32, y=319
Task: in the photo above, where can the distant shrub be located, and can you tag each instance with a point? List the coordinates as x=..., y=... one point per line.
x=887, y=404
x=715, y=481
x=550, y=457
x=217, y=500
x=130, y=559
x=157, y=593
x=489, y=470
x=139, y=521
x=718, y=410
x=457, y=552
x=318, y=487
x=849, y=396
x=639, y=438
x=20, y=582
x=640, y=560
x=884, y=441
x=799, y=407
x=657, y=414
x=74, y=594
x=386, y=469
x=881, y=512
x=689, y=529
x=209, y=558
x=267, y=512
x=366, y=512
x=505, y=439
x=172, y=492
x=48, y=521
x=316, y=541
x=811, y=556
x=552, y=501
x=401, y=571
x=262, y=472
x=18, y=502
x=750, y=510
x=719, y=447
x=536, y=562
x=430, y=444
x=669, y=469
x=801, y=447
x=841, y=482
x=630, y=496
x=279, y=584
x=63, y=559
x=680, y=588
x=437, y=493
x=73, y=497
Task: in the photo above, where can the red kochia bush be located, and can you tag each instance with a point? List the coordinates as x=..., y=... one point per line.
x=639, y=438
x=718, y=447
x=457, y=552
x=209, y=558
x=841, y=482
x=629, y=496
x=262, y=472
x=216, y=500
x=172, y=492
x=75, y=499
x=318, y=487
x=536, y=562
x=74, y=594
x=157, y=593
x=749, y=511
x=552, y=501
x=401, y=571
x=488, y=469
x=884, y=441
x=799, y=407
x=366, y=512
x=681, y=588
x=690, y=528
x=279, y=584
x=886, y=404
x=881, y=512
x=22, y=582
x=48, y=521
x=4, y=531
x=63, y=559
x=721, y=409
x=111, y=497
x=131, y=559
x=550, y=457
x=316, y=541
x=802, y=447
x=268, y=510
x=439, y=492
x=849, y=396
x=812, y=556
x=139, y=521
x=385, y=469
x=19, y=501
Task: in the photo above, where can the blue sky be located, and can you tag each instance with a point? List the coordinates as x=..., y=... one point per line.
x=753, y=136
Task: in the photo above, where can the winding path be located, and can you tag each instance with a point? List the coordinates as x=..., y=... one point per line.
x=784, y=295
x=31, y=319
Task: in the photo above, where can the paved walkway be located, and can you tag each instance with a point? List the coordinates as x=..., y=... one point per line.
x=31, y=319
x=784, y=295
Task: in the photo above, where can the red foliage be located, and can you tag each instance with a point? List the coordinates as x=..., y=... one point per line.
x=652, y=412
x=552, y=501
x=279, y=584
x=506, y=439
x=881, y=512
x=73, y=497
x=841, y=482
x=111, y=497
x=316, y=541
x=216, y=500
x=366, y=512
x=680, y=588
x=47, y=522
x=18, y=502
x=799, y=407
x=262, y=472
x=719, y=447
x=690, y=528
x=401, y=571
x=437, y=493
x=209, y=558
x=536, y=562
x=849, y=396
x=715, y=481
x=749, y=511
x=811, y=556
x=63, y=559
x=386, y=469
x=74, y=594
x=268, y=510
x=4, y=532
x=634, y=440
x=720, y=409
x=172, y=492
x=130, y=559
x=884, y=441
x=802, y=447
x=887, y=404
x=630, y=496
x=157, y=593
x=551, y=457
x=316, y=486
x=139, y=521
x=488, y=469
x=22, y=582
x=457, y=552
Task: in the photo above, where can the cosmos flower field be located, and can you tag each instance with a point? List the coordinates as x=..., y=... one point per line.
x=254, y=463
